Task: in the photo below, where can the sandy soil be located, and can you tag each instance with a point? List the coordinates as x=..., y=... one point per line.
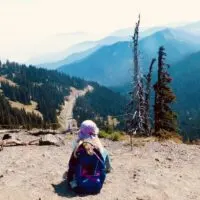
x=152, y=171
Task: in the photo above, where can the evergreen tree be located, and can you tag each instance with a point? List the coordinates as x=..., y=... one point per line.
x=165, y=118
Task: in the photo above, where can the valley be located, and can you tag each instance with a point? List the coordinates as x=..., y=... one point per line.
x=65, y=118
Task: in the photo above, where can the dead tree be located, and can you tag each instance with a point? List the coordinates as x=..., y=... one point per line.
x=135, y=122
x=148, y=78
x=48, y=139
x=11, y=142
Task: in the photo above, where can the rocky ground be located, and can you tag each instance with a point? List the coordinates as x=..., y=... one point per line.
x=151, y=171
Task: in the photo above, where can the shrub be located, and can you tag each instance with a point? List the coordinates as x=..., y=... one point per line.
x=103, y=134
x=114, y=136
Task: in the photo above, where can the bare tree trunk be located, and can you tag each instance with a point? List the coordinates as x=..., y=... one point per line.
x=138, y=90
x=135, y=122
x=147, y=98
x=11, y=142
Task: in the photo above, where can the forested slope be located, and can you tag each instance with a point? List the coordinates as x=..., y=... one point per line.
x=47, y=89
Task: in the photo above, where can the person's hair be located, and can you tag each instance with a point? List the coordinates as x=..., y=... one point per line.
x=95, y=141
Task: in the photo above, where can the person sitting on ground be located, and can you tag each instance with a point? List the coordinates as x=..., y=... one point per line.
x=89, y=132
x=88, y=142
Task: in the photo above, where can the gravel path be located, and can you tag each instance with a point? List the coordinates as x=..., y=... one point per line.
x=66, y=114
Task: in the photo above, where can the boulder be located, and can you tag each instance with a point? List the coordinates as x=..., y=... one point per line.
x=50, y=139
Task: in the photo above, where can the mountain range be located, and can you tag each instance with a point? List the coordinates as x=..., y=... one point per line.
x=110, y=65
x=80, y=51
x=83, y=49
x=109, y=62
x=52, y=60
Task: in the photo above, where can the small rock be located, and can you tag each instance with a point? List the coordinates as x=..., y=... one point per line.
x=9, y=170
x=33, y=166
x=156, y=159
x=170, y=159
x=134, y=175
x=1, y=176
x=22, y=172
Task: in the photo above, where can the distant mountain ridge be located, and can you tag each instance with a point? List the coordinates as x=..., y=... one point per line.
x=82, y=50
x=111, y=65
x=77, y=49
x=57, y=58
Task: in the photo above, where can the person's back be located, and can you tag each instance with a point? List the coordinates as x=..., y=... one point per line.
x=89, y=156
x=86, y=169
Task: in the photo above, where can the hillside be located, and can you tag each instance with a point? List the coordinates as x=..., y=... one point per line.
x=152, y=171
x=22, y=85
x=94, y=105
x=111, y=65
x=187, y=88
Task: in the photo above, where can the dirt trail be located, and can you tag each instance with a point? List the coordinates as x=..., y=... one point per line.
x=65, y=118
x=152, y=171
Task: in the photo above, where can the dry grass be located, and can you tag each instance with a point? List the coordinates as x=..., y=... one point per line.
x=9, y=82
x=28, y=108
x=163, y=135
x=140, y=141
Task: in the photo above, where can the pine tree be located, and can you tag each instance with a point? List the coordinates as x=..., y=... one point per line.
x=165, y=118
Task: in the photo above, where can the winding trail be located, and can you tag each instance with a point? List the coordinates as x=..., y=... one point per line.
x=65, y=118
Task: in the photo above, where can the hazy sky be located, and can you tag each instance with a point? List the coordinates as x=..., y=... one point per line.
x=28, y=25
